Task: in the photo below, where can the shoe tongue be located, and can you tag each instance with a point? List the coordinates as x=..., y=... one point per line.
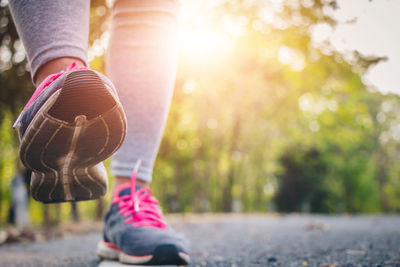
x=127, y=190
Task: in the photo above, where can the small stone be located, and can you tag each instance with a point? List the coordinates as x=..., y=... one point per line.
x=272, y=259
x=355, y=252
x=3, y=236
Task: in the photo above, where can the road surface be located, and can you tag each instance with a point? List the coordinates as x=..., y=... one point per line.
x=245, y=240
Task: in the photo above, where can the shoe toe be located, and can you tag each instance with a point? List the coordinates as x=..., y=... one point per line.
x=164, y=246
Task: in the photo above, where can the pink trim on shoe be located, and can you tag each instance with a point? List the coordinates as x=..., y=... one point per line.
x=45, y=83
x=115, y=247
x=111, y=245
x=51, y=78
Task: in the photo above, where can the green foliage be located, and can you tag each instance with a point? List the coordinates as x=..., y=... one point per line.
x=251, y=119
x=7, y=165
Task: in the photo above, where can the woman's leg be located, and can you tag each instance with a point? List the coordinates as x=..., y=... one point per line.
x=142, y=63
x=54, y=33
x=77, y=121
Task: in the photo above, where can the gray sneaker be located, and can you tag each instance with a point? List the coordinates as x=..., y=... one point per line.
x=135, y=232
x=72, y=123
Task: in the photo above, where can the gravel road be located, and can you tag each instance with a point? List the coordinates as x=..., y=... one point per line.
x=245, y=240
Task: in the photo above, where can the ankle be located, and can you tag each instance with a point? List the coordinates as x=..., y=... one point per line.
x=119, y=180
x=54, y=66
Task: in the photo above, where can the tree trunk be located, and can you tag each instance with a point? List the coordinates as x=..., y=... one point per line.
x=100, y=209
x=75, y=211
x=46, y=215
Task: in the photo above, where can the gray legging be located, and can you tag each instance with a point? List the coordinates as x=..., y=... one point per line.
x=141, y=61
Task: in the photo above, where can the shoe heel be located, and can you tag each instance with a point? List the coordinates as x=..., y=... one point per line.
x=83, y=93
x=106, y=252
x=65, y=156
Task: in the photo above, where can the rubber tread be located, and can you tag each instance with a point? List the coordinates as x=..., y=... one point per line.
x=65, y=156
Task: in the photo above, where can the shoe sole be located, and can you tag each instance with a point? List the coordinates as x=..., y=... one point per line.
x=162, y=255
x=64, y=156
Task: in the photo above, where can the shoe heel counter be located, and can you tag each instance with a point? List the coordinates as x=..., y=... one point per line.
x=83, y=93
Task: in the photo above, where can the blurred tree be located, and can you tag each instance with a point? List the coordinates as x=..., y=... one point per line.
x=302, y=186
x=270, y=90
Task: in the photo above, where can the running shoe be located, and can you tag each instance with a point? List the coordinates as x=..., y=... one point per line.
x=136, y=233
x=72, y=123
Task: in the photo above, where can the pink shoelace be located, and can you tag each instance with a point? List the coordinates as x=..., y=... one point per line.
x=46, y=82
x=140, y=208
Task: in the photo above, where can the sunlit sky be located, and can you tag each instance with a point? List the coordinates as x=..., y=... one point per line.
x=376, y=31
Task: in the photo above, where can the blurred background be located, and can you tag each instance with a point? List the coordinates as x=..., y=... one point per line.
x=272, y=112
